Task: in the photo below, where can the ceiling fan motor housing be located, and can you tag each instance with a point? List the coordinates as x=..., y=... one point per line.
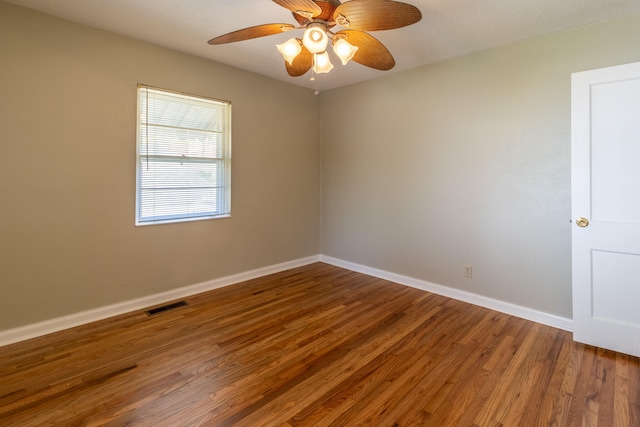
x=327, y=6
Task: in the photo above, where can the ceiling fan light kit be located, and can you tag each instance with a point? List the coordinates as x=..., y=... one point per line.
x=290, y=49
x=344, y=50
x=322, y=63
x=318, y=17
x=315, y=38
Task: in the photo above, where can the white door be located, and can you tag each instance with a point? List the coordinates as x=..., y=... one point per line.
x=605, y=180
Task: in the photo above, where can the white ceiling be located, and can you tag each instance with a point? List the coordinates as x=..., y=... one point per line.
x=449, y=28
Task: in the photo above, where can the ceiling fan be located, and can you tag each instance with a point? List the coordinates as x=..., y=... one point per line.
x=318, y=17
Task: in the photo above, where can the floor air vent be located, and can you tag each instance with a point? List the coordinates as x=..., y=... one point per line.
x=165, y=308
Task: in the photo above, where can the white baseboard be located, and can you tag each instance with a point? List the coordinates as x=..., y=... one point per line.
x=23, y=333
x=468, y=297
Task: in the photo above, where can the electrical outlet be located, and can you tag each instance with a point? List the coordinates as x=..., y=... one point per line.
x=468, y=271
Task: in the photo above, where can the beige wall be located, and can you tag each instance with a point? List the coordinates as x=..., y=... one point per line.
x=67, y=171
x=465, y=162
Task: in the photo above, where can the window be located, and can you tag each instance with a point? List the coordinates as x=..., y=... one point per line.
x=183, y=157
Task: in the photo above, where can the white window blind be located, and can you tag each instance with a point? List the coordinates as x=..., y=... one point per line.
x=183, y=157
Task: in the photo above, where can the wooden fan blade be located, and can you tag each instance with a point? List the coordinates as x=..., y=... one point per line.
x=251, y=33
x=306, y=8
x=376, y=15
x=370, y=51
x=301, y=64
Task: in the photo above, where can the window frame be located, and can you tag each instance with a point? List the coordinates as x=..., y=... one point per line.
x=223, y=177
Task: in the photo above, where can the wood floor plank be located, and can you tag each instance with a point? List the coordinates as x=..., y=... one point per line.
x=469, y=384
x=634, y=389
x=316, y=346
x=554, y=401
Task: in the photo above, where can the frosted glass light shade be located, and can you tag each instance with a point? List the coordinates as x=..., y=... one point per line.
x=322, y=63
x=344, y=50
x=290, y=49
x=315, y=39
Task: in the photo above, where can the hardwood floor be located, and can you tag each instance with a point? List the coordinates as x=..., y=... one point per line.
x=316, y=346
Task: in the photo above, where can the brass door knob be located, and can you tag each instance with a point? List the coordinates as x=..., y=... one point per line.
x=582, y=222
